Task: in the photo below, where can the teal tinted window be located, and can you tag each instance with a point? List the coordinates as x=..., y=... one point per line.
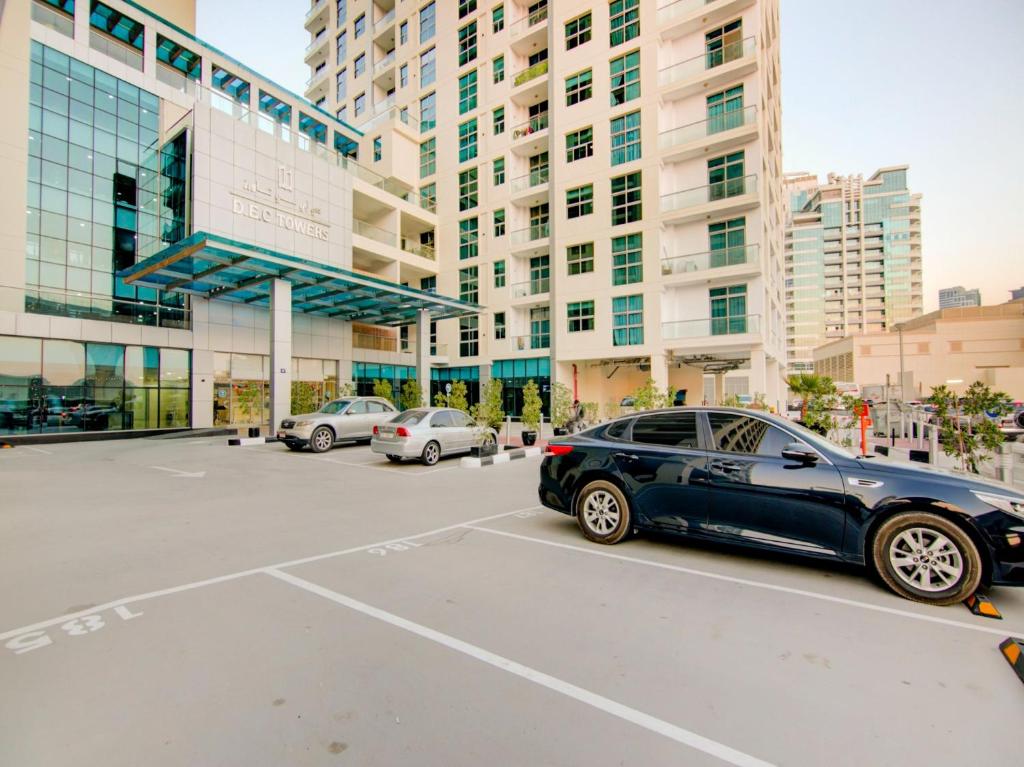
x=116, y=24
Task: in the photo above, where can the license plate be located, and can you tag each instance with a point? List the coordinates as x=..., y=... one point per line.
x=280, y=435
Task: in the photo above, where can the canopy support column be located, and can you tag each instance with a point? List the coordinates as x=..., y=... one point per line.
x=423, y=353
x=280, y=352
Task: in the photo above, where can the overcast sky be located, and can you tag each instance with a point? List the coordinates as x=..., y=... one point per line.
x=936, y=84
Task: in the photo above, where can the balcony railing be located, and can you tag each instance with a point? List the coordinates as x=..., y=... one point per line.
x=711, y=326
x=316, y=77
x=381, y=107
x=54, y=19
x=709, y=127
x=373, y=232
x=534, y=341
x=315, y=9
x=531, y=287
x=384, y=63
x=669, y=12
x=384, y=21
x=534, y=178
x=715, y=259
x=701, y=195
x=520, y=27
x=707, y=60
x=535, y=124
x=530, y=73
x=317, y=42
x=530, y=233
x=419, y=249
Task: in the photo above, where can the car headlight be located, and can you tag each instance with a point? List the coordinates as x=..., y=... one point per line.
x=1006, y=503
x=303, y=424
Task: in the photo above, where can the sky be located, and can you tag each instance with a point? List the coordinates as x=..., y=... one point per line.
x=934, y=84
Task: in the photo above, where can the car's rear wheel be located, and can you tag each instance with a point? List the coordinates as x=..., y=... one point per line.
x=394, y=458
x=321, y=439
x=926, y=558
x=602, y=512
x=431, y=454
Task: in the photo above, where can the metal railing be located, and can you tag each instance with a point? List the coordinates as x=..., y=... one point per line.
x=384, y=21
x=534, y=287
x=530, y=233
x=419, y=249
x=318, y=6
x=319, y=40
x=701, y=195
x=530, y=73
x=373, y=232
x=715, y=259
x=531, y=20
x=316, y=77
x=535, y=124
x=534, y=178
x=711, y=326
x=533, y=341
x=384, y=63
x=707, y=60
x=709, y=127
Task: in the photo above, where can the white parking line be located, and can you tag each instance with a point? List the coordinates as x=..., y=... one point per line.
x=390, y=470
x=246, y=573
x=37, y=450
x=1003, y=632
x=609, y=706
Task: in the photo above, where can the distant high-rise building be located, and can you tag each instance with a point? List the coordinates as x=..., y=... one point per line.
x=950, y=298
x=1016, y=295
x=853, y=258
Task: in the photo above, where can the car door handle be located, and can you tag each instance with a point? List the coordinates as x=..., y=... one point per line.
x=627, y=456
x=725, y=466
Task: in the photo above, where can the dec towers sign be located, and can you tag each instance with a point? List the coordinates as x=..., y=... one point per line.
x=277, y=205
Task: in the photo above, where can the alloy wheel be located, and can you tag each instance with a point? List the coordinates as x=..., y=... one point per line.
x=322, y=440
x=926, y=559
x=601, y=512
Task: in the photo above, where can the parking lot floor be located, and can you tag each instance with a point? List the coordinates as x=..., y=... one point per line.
x=183, y=602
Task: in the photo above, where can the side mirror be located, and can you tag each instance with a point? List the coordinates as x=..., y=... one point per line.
x=797, y=451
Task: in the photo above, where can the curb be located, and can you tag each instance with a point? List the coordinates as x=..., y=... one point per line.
x=246, y=441
x=468, y=462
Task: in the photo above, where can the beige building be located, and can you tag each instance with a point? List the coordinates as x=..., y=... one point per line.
x=961, y=345
x=606, y=178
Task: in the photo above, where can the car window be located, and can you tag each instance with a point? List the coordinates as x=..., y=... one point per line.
x=410, y=417
x=617, y=429
x=737, y=433
x=358, y=408
x=442, y=418
x=375, y=407
x=460, y=419
x=335, y=407
x=668, y=429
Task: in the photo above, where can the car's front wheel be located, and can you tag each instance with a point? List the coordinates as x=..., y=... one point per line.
x=602, y=512
x=321, y=440
x=926, y=558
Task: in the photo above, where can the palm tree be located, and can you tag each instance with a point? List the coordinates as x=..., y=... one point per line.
x=806, y=386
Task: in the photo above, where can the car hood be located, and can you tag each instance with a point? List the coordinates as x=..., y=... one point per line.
x=308, y=416
x=925, y=470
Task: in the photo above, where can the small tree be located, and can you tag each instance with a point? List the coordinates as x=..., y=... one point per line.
x=440, y=399
x=412, y=395
x=247, y=396
x=648, y=396
x=590, y=412
x=304, y=398
x=965, y=426
x=457, y=399
x=488, y=413
x=531, y=406
x=347, y=389
x=382, y=388
x=561, y=405
x=808, y=386
x=818, y=405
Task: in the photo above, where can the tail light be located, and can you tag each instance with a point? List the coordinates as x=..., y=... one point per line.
x=559, y=449
x=376, y=431
x=401, y=431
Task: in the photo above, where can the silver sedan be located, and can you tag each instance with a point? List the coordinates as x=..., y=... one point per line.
x=341, y=420
x=428, y=434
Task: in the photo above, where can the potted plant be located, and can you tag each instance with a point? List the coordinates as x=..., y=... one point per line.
x=487, y=414
x=561, y=408
x=531, y=412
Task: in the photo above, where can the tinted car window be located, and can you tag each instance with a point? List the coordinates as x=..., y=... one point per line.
x=668, y=429
x=410, y=417
x=617, y=429
x=335, y=407
x=358, y=408
x=376, y=407
x=460, y=419
x=735, y=433
x=444, y=418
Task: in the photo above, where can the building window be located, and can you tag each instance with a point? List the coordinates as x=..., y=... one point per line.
x=498, y=18
x=723, y=45
x=577, y=31
x=499, y=68
x=725, y=176
x=579, y=144
x=539, y=169
x=540, y=327
x=342, y=114
x=581, y=316
x=728, y=243
x=467, y=140
x=378, y=149
x=468, y=189
x=624, y=21
x=499, y=323
x=627, y=259
x=342, y=11
x=428, y=112
x=539, y=221
x=428, y=197
x=725, y=110
x=469, y=284
x=428, y=158
x=499, y=171
x=428, y=18
x=626, y=199
x=359, y=104
x=403, y=75
x=467, y=43
x=341, y=46
x=359, y=26
x=467, y=92
x=403, y=33
x=499, y=274
x=341, y=85
x=579, y=87
x=428, y=67
x=728, y=310
x=469, y=335
x=469, y=238
x=626, y=138
x=499, y=121
x=466, y=7
x=627, y=320
x=625, y=72
x=579, y=201
x=499, y=223
x=580, y=258
x=359, y=65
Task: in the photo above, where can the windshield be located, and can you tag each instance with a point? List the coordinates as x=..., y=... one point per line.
x=410, y=417
x=816, y=440
x=336, y=406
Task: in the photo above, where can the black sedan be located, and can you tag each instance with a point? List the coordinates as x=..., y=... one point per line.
x=758, y=480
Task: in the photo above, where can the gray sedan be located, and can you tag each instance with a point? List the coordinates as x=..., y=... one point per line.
x=341, y=420
x=428, y=434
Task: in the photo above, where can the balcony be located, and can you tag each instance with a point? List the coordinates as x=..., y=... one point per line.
x=682, y=17
x=532, y=240
x=530, y=137
x=384, y=64
x=530, y=290
x=531, y=189
x=530, y=84
x=317, y=47
x=385, y=105
x=695, y=267
x=714, y=331
x=722, y=198
x=387, y=20
x=527, y=343
x=716, y=135
x=371, y=232
x=317, y=79
x=317, y=14
x=708, y=71
x=530, y=32
x=419, y=249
